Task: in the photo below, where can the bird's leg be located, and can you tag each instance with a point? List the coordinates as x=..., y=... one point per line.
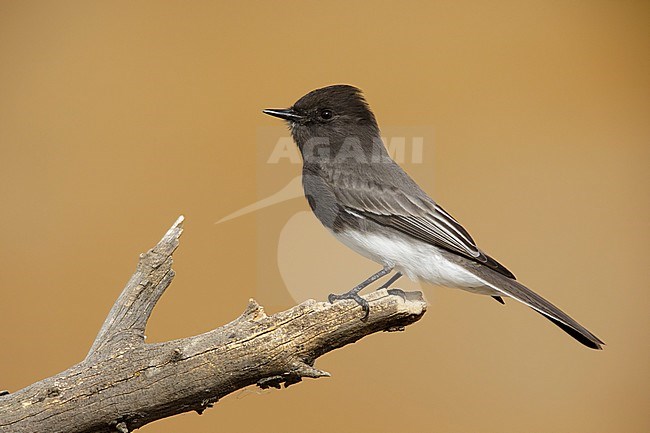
x=396, y=292
x=354, y=293
x=390, y=281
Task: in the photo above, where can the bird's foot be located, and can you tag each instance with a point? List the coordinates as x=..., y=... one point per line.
x=397, y=292
x=353, y=295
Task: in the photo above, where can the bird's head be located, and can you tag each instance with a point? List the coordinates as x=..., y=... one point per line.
x=329, y=119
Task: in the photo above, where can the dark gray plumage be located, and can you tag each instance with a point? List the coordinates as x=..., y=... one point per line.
x=370, y=204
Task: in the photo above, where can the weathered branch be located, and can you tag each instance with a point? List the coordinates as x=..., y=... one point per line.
x=125, y=383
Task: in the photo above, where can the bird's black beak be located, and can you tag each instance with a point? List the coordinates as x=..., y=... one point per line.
x=283, y=113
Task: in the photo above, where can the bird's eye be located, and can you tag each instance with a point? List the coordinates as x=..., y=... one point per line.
x=326, y=114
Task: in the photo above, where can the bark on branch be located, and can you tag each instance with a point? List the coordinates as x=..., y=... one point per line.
x=124, y=383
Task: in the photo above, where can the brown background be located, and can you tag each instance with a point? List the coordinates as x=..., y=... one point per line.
x=116, y=117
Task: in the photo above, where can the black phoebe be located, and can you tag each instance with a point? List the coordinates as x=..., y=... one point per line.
x=371, y=205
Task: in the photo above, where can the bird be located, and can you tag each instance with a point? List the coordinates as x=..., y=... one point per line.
x=370, y=204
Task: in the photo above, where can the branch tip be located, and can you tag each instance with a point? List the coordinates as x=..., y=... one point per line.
x=169, y=241
x=306, y=370
x=205, y=404
x=254, y=311
x=121, y=427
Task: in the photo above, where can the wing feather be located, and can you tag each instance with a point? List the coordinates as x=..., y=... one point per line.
x=419, y=217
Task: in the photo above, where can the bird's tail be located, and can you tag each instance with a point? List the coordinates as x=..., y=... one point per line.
x=523, y=294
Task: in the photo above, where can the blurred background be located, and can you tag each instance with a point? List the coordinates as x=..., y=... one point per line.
x=117, y=117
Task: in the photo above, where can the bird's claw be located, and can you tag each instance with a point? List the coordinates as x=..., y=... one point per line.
x=355, y=297
x=397, y=292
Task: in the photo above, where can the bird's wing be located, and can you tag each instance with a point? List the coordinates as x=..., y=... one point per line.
x=415, y=215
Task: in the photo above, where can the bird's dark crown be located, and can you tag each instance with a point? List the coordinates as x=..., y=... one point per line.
x=336, y=105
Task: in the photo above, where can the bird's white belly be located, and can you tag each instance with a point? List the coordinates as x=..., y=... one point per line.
x=414, y=258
